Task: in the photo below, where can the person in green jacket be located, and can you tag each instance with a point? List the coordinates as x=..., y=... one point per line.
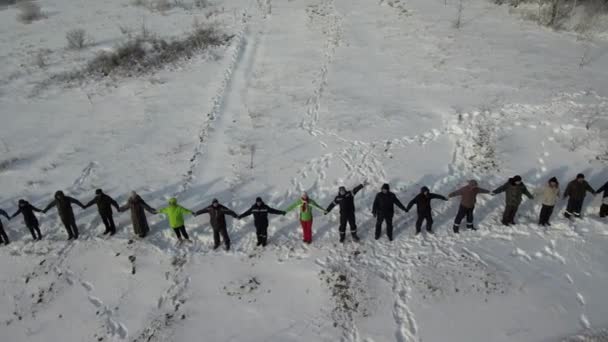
x=175, y=213
x=305, y=204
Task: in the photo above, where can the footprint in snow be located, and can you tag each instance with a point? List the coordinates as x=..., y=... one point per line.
x=87, y=286
x=95, y=301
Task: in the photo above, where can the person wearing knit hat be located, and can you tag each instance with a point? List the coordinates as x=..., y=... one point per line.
x=423, y=205
x=305, y=204
x=260, y=211
x=138, y=217
x=468, y=198
x=346, y=200
x=514, y=188
x=384, y=210
x=549, y=196
x=217, y=219
x=104, y=207
x=576, y=191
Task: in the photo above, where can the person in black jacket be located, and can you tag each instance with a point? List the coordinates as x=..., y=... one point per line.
x=346, y=201
x=217, y=219
x=576, y=192
x=604, y=206
x=31, y=222
x=104, y=206
x=260, y=213
x=384, y=210
x=3, y=236
x=423, y=205
x=66, y=213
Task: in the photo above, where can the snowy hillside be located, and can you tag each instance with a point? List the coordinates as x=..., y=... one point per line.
x=306, y=95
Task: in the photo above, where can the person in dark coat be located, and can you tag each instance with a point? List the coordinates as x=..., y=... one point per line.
x=346, y=200
x=138, y=217
x=468, y=199
x=576, y=192
x=104, y=206
x=384, y=209
x=217, y=219
x=604, y=207
x=31, y=222
x=3, y=236
x=66, y=213
x=514, y=189
x=423, y=205
x=260, y=211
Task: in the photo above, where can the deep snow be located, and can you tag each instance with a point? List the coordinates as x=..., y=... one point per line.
x=321, y=93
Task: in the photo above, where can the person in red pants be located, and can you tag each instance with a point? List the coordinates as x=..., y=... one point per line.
x=305, y=204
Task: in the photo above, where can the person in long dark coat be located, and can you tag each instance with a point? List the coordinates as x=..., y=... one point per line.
x=66, y=213
x=217, y=219
x=138, y=217
x=31, y=222
x=104, y=206
x=576, y=191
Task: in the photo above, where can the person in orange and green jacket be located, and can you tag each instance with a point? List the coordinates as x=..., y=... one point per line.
x=305, y=204
x=175, y=213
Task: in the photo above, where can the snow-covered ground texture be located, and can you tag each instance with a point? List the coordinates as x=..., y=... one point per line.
x=307, y=95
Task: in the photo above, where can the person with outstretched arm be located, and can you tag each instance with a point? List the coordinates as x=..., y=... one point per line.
x=549, y=196
x=468, y=198
x=346, y=200
x=305, y=205
x=104, y=206
x=383, y=210
x=66, y=213
x=576, y=191
x=423, y=205
x=514, y=190
x=3, y=237
x=260, y=211
x=138, y=216
x=31, y=222
x=217, y=219
x=604, y=206
x=175, y=214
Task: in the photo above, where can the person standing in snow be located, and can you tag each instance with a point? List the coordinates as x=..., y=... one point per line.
x=383, y=210
x=423, y=205
x=175, y=214
x=138, y=217
x=514, y=189
x=260, y=211
x=550, y=195
x=576, y=192
x=31, y=222
x=66, y=213
x=305, y=204
x=604, y=207
x=468, y=198
x=104, y=206
x=346, y=200
x=3, y=236
x=217, y=219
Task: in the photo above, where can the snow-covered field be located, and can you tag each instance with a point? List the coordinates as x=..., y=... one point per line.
x=317, y=93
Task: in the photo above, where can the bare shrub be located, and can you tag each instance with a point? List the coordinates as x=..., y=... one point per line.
x=77, y=38
x=29, y=11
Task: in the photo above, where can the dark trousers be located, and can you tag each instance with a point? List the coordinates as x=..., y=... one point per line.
x=350, y=219
x=223, y=232
x=35, y=231
x=181, y=232
x=462, y=212
x=508, y=216
x=108, y=221
x=604, y=210
x=71, y=228
x=262, y=233
x=3, y=236
x=574, y=208
x=545, y=215
x=424, y=216
x=389, y=226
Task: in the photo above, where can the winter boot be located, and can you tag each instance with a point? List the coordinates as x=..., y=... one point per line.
x=355, y=237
